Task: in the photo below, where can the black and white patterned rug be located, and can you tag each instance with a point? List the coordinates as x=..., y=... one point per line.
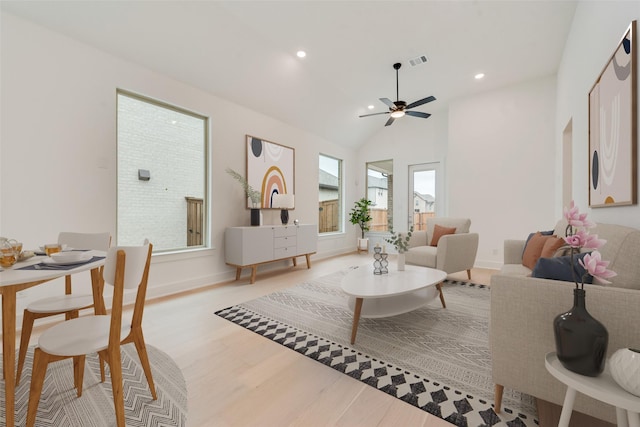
x=59, y=405
x=433, y=358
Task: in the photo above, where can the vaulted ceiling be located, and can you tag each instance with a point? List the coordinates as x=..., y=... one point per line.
x=245, y=51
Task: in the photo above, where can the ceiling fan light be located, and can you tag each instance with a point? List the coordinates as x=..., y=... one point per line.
x=397, y=114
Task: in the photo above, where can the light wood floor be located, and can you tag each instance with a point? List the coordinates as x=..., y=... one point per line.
x=237, y=378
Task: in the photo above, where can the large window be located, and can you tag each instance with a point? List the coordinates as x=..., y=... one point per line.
x=329, y=195
x=162, y=174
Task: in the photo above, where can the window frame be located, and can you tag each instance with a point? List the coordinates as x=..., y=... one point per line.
x=206, y=164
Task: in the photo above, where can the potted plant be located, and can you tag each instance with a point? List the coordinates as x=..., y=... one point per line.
x=252, y=194
x=360, y=215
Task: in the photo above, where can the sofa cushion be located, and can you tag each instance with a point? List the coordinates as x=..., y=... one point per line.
x=551, y=245
x=439, y=231
x=422, y=255
x=533, y=249
x=544, y=233
x=559, y=268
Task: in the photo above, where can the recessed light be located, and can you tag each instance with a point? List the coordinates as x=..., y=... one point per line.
x=371, y=107
x=479, y=76
x=301, y=54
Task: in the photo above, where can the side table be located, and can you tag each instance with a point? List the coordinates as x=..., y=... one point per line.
x=602, y=388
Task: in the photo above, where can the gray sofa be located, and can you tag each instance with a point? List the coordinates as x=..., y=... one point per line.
x=455, y=252
x=523, y=309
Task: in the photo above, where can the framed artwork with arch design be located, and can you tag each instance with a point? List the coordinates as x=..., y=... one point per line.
x=613, y=128
x=270, y=169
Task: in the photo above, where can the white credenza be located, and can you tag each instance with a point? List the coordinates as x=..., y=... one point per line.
x=252, y=246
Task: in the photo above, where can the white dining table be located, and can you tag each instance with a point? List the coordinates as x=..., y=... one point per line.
x=16, y=279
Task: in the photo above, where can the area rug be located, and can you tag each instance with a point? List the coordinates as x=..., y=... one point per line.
x=433, y=358
x=59, y=405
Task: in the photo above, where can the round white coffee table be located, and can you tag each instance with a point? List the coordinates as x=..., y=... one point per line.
x=385, y=295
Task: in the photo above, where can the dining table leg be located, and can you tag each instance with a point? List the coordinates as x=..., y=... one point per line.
x=9, y=352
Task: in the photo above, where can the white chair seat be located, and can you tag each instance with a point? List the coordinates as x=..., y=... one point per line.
x=83, y=335
x=61, y=303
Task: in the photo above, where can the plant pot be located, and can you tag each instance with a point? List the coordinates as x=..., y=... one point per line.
x=581, y=340
x=363, y=245
x=401, y=260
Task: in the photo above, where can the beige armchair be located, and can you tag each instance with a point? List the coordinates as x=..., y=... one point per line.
x=454, y=252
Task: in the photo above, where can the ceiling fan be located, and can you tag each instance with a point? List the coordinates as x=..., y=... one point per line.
x=399, y=108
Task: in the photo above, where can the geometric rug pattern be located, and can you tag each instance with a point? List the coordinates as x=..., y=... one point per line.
x=314, y=320
x=60, y=406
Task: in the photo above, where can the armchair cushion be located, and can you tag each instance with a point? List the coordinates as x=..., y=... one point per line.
x=439, y=231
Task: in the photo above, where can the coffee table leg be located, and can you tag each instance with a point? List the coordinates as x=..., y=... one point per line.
x=439, y=287
x=356, y=318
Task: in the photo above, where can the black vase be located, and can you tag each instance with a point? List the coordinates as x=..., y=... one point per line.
x=581, y=340
x=255, y=216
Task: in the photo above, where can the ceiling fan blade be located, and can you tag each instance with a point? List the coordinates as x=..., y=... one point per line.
x=374, y=114
x=421, y=102
x=417, y=114
x=391, y=119
x=389, y=103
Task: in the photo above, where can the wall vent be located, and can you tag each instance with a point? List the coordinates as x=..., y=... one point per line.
x=417, y=61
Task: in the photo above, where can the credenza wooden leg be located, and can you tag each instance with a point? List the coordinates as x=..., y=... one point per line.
x=308, y=257
x=254, y=270
x=295, y=261
x=238, y=272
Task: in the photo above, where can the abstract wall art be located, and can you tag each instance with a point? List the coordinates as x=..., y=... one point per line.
x=613, y=128
x=270, y=169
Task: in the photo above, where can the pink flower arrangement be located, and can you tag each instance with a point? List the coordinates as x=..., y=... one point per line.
x=578, y=237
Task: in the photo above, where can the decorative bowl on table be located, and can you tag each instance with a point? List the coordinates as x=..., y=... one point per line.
x=70, y=257
x=625, y=369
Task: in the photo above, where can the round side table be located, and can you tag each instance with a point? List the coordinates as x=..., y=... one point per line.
x=602, y=388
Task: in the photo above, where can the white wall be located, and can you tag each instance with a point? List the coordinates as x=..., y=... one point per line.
x=58, y=152
x=501, y=160
x=597, y=29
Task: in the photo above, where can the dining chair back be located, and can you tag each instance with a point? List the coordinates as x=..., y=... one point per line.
x=68, y=304
x=125, y=268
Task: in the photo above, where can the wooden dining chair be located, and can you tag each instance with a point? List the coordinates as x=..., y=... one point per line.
x=68, y=304
x=125, y=267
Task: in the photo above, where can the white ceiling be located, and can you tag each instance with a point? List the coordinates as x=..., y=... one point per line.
x=244, y=51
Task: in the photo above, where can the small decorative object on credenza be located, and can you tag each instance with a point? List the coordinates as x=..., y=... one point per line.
x=625, y=369
x=401, y=243
x=251, y=194
x=284, y=202
x=581, y=340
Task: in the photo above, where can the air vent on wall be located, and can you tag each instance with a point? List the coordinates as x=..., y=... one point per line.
x=417, y=61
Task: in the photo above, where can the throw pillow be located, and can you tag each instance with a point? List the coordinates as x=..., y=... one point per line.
x=544, y=233
x=439, y=231
x=551, y=246
x=533, y=250
x=559, y=268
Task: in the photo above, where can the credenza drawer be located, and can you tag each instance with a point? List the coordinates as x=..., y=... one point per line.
x=284, y=231
x=284, y=242
x=286, y=252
